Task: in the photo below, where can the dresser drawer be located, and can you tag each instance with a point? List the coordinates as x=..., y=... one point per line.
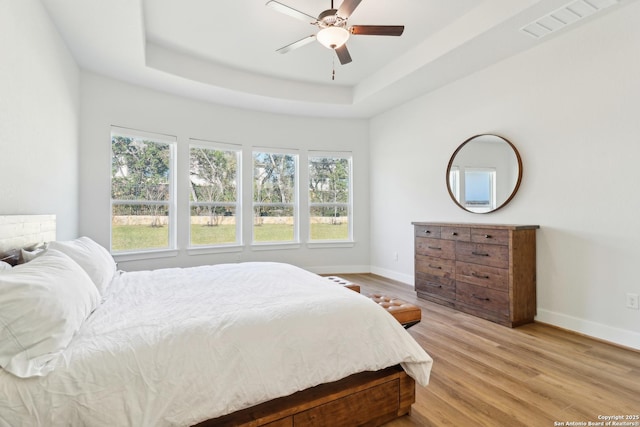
x=436, y=247
x=483, y=298
x=481, y=253
x=437, y=267
x=436, y=286
x=462, y=234
x=490, y=236
x=427, y=231
x=483, y=275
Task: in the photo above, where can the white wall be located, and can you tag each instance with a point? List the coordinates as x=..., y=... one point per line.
x=39, y=109
x=571, y=107
x=106, y=102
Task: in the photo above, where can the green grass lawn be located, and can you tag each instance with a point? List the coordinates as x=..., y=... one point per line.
x=211, y=235
x=131, y=237
x=329, y=231
x=273, y=233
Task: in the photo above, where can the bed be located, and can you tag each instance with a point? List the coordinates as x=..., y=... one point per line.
x=229, y=344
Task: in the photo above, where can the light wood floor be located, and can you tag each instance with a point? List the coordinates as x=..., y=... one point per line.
x=485, y=374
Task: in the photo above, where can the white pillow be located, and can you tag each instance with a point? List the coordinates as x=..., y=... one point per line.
x=43, y=303
x=5, y=266
x=93, y=258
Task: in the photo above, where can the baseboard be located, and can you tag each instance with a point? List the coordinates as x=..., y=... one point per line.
x=622, y=337
x=407, y=279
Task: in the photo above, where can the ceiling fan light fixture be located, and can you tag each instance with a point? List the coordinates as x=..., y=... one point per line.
x=333, y=37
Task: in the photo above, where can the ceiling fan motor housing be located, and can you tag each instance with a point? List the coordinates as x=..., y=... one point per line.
x=330, y=18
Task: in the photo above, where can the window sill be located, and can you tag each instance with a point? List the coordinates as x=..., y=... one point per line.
x=203, y=250
x=271, y=246
x=135, y=256
x=331, y=244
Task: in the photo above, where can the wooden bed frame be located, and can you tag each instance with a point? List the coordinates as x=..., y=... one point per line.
x=364, y=399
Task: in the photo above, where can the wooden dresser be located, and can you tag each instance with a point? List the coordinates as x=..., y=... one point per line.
x=487, y=270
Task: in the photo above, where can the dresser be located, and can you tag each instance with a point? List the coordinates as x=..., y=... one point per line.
x=487, y=270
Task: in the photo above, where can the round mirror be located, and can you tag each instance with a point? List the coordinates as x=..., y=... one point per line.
x=484, y=173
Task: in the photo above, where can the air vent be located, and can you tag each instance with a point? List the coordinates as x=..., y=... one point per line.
x=565, y=16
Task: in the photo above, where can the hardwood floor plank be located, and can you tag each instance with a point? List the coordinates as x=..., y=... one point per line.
x=485, y=374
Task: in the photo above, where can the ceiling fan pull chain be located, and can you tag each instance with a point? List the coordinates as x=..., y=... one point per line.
x=333, y=73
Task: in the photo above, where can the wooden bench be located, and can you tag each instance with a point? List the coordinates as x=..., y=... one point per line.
x=405, y=313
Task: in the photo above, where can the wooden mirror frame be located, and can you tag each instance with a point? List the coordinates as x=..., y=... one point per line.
x=515, y=188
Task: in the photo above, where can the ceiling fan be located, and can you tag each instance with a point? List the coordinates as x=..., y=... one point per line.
x=334, y=31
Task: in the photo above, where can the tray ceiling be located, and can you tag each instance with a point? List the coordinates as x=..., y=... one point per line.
x=225, y=52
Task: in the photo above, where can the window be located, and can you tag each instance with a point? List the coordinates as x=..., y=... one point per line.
x=142, y=191
x=144, y=196
x=330, y=197
x=274, y=197
x=213, y=178
x=480, y=189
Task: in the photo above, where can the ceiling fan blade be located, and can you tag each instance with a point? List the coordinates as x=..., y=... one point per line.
x=347, y=7
x=377, y=30
x=343, y=54
x=283, y=8
x=297, y=44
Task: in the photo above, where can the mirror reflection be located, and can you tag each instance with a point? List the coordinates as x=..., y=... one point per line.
x=484, y=173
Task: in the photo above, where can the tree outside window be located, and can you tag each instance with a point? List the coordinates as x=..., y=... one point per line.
x=141, y=191
x=213, y=177
x=274, y=197
x=330, y=197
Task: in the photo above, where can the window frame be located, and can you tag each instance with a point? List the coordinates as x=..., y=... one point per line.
x=348, y=205
x=171, y=141
x=228, y=147
x=295, y=205
x=245, y=204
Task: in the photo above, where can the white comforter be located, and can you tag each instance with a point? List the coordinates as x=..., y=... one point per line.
x=178, y=346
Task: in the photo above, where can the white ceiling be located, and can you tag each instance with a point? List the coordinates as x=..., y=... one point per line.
x=225, y=51
x=246, y=34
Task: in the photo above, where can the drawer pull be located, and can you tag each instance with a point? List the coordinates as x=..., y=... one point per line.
x=479, y=253
x=479, y=276
x=480, y=298
x=453, y=233
x=437, y=267
x=427, y=232
x=487, y=236
x=434, y=248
